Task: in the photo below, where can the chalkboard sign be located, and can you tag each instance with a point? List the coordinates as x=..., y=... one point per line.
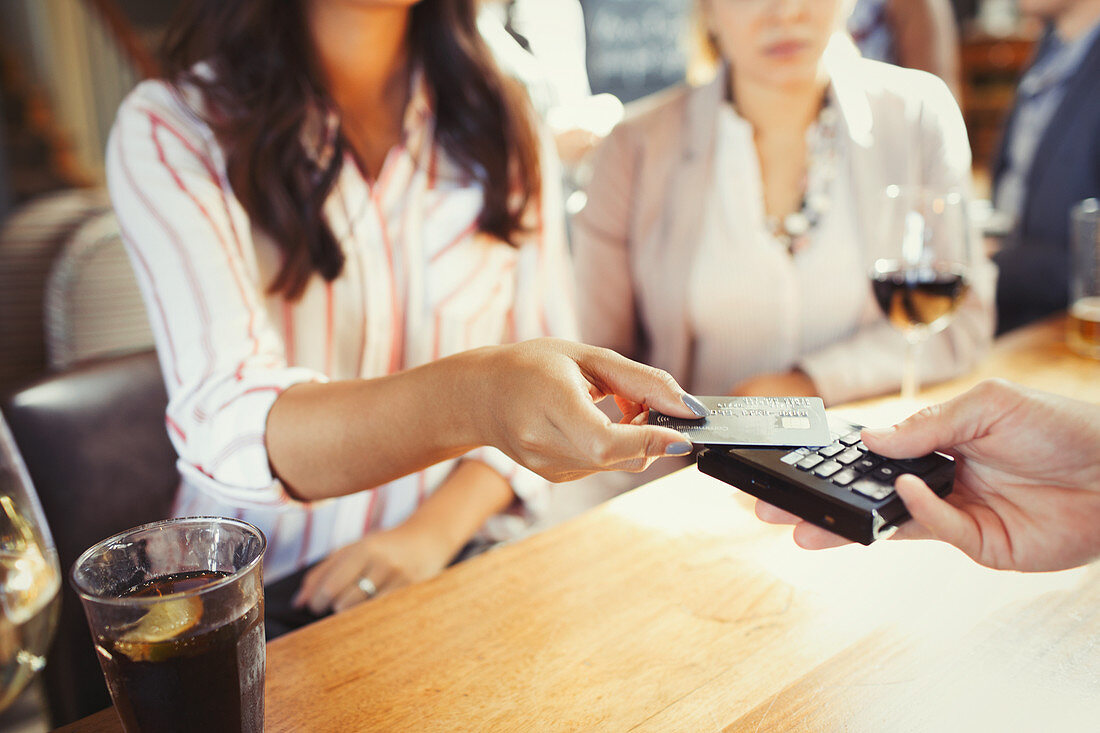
x=635, y=47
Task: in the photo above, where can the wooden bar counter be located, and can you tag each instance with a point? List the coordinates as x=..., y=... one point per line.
x=671, y=608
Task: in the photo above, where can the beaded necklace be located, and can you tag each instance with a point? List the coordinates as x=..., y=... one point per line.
x=793, y=230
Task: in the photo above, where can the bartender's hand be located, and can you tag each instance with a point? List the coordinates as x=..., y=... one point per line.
x=540, y=408
x=1027, y=478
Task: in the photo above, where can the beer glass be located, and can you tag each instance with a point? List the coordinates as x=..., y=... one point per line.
x=176, y=611
x=1083, y=325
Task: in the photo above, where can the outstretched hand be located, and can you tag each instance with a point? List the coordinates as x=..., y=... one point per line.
x=543, y=414
x=1027, y=479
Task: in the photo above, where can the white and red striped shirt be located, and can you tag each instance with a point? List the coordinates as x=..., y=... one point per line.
x=420, y=282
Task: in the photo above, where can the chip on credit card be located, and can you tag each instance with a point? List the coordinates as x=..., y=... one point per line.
x=754, y=421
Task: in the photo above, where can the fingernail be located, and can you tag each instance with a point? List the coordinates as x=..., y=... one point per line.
x=880, y=432
x=680, y=448
x=695, y=405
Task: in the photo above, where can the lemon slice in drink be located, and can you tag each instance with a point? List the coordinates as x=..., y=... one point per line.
x=164, y=621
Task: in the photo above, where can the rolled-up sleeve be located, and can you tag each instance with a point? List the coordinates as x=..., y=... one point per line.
x=190, y=244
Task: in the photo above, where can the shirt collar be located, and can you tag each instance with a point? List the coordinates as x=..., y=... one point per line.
x=1057, y=61
x=322, y=124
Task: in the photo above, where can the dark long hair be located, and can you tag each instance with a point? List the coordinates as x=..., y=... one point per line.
x=262, y=86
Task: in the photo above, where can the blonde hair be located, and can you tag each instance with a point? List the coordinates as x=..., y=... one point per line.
x=704, y=56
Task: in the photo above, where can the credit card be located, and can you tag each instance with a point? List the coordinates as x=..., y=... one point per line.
x=754, y=421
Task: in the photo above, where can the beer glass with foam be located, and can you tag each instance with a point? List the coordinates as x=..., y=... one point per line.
x=1083, y=325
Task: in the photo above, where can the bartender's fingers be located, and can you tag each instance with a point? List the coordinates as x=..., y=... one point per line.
x=806, y=535
x=811, y=537
x=933, y=517
x=772, y=514
x=943, y=426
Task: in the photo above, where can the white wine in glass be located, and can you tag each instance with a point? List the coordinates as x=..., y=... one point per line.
x=30, y=578
x=924, y=278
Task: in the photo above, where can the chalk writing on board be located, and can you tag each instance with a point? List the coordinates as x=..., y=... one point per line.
x=635, y=46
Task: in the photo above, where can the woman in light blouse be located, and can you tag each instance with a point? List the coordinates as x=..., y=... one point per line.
x=329, y=206
x=726, y=238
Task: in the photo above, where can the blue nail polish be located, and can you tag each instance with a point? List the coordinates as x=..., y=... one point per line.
x=681, y=448
x=695, y=405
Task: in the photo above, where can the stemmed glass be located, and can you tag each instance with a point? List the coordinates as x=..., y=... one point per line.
x=30, y=577
x=921, y=264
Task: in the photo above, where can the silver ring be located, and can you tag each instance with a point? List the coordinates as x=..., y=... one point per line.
x=368, y=587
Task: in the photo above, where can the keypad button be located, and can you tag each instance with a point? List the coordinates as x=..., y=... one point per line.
x=886, y=472
x=849, y=456
x=830, y=450
x=850, y=439
x=809, y=462
x=794, y=456
x=872, y=489
x=827, y=469
x=868, y=462
x=845, y=477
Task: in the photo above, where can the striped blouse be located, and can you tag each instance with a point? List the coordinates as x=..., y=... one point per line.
x=419, y=283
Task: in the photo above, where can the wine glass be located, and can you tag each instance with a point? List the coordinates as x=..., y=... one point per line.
x=921, y=261
x=30, y=578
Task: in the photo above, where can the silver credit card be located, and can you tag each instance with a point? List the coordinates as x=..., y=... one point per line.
x=754, y=421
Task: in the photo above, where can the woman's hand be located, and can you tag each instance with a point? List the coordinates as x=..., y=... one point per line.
x=1027, y=479
x=390, y=559
x=414, y=551
x=794, y=383
x=533, y=400
x=540, y=408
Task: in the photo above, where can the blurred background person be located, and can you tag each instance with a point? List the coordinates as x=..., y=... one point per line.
x=726, y=233
x=916, y=34
x=1049, y=160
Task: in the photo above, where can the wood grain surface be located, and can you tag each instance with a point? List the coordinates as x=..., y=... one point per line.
x=671, y=608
